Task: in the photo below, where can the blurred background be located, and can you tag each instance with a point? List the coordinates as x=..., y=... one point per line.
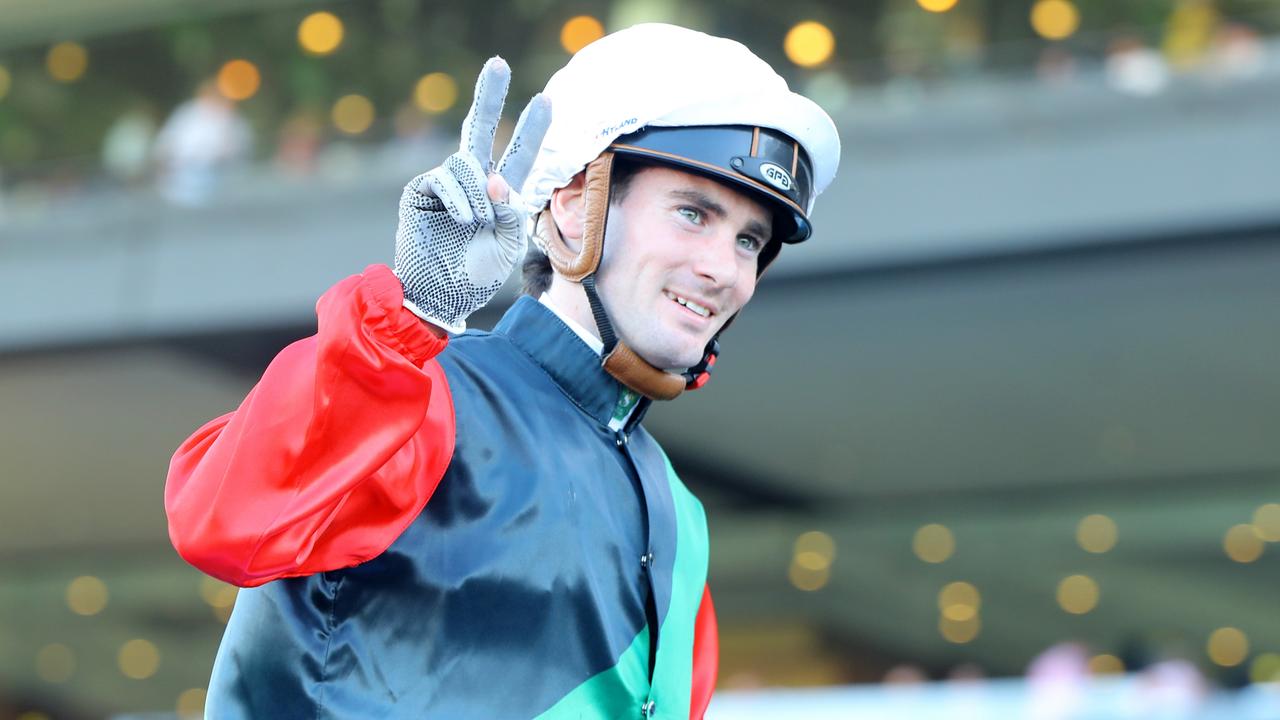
x=1001, y=441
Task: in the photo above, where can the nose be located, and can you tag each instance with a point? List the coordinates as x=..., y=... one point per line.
x=717, y=261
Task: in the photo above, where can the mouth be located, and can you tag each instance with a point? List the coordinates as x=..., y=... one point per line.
x=694, y=307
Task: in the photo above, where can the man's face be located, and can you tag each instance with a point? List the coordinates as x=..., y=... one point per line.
x=680, y=257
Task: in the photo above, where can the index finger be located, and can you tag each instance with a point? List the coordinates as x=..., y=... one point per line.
x=486, y=107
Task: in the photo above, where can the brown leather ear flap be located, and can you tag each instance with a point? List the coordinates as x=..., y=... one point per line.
x=630, y=370
x=575, y=266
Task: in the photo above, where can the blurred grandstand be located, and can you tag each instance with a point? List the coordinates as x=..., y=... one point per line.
x=1000, y=442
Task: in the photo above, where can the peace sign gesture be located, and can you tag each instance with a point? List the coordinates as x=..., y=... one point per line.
x=462, y=224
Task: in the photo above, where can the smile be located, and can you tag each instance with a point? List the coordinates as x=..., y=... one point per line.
x=695, y=307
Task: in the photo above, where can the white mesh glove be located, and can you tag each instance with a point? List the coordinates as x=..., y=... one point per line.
x=456, y=245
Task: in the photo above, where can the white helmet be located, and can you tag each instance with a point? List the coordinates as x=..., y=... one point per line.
x=703, y=104
x=664, y=76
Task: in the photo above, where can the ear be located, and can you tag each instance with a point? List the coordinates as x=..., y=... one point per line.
x=568, y=210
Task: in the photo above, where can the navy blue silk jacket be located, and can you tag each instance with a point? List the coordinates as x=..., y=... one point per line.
x=547, y=566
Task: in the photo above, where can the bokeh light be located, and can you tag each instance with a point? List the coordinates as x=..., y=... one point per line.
x=435, y=92
x=1078, y=594
x=933, y=543
x=55, y=663
x=86, y=595
x=1227, y=647
x=1055, y=19
x=138, y=659
x=1265, y=668
x=1266, y=519
x=579, y=32
x=959, y=601
x=1106, y=664
x=959, y=632
x=239, y=80
x=352, y=114
x=217, y=593
x=320, y=33
x=809, y=44
x=191, y=703
x=937, y=6
x=67, y=61
x=814, y=550
x=33, y=715
x=1096, y=533
x=6, y=81
x=808, y=580
x=1242, y=543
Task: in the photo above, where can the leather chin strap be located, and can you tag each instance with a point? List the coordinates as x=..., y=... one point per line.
x=620, y=361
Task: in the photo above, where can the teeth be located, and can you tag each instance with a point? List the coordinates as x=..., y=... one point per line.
x=704, y=312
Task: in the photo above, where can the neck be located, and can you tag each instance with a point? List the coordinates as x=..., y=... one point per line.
x=570, y=299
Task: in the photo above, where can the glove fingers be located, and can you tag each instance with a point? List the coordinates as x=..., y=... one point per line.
x=474, y=183
x=525, y=140
x=509, y=228
x=486, y=108
x=449, y=190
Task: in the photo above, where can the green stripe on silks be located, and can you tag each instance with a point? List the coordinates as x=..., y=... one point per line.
x=673, y=680
x=620, y=691
x=614, y=693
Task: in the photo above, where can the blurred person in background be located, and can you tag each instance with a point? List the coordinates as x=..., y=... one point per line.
x=199, y=142
x=440, y=524
x=126, y=147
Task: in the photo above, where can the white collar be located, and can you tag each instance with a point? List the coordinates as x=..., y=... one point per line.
x=591, y=340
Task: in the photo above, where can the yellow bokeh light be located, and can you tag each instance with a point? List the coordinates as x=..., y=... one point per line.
x=959, y=632
x=239, y=80
x=1228, y=647
x=191, y=703
x=814, y=550
x=937, y=6
x=87, y=595
x=55, y=663
x=1266, y=519
x=320, y=33
x=1055, y=19
x=933, y=543
x=808, y=579
x=352, y=114
x=1096, y=533
x=959, y=601
x=6, y=81
x=809, y=44
x=1265, y=668
x=1105, y=665
x=1242, y=543
x=67, y=61
x=435, y=92
x=579, y=32
x=217, y=593
x=1078, y=594
x=138, y=659
x=33, y=715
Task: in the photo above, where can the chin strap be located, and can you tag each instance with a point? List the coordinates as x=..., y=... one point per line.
x=619, y=360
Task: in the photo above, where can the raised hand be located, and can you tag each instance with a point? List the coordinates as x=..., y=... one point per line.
x=462, y=225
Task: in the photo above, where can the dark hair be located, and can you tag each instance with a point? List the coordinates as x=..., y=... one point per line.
x=536, y=270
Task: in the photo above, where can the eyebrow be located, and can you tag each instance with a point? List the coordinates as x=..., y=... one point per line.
x=708, y=205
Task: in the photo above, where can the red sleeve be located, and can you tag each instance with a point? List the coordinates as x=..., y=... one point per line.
x=330, y=457
x=706, y=657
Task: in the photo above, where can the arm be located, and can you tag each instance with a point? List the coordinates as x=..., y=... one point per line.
x=333, y=453
x=706, y=657
x=348, y=433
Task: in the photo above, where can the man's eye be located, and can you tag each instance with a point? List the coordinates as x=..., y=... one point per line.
x=693, y=215
x=750, y=243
